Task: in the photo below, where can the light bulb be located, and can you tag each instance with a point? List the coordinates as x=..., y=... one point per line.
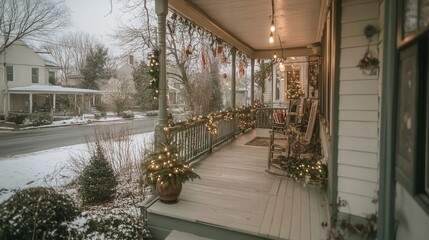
x=273, y=28
x=275, y=55
x=271, y=38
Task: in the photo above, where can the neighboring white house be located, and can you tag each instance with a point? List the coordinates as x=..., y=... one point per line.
x=24, y=84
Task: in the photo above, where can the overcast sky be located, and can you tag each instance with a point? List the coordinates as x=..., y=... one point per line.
x=94, y=17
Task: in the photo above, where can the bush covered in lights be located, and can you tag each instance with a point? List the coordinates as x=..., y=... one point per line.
x=165, y=165
x=308, y=169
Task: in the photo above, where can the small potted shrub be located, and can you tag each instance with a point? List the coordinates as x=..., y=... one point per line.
x=166, y=168
x=369, y=64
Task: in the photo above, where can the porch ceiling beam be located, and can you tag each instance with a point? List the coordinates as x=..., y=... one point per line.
x=288, y=52
x=195, y=14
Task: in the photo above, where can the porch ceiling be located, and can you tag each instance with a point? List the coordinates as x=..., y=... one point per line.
x=245, y=24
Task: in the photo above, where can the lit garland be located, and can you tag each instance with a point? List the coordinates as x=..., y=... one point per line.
x=314, y=73
x=212, y=123
x=166, y=166
x=154, y=71
x=243, y=115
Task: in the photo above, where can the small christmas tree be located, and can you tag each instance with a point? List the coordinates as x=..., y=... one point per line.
x=294, y=90
x=166, y=166
x=98, y=181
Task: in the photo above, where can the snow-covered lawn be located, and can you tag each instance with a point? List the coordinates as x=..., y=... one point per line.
x=45, y=168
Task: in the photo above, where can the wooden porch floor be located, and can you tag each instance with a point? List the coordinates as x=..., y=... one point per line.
x=236, y=193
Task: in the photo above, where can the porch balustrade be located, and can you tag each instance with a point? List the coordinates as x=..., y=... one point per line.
x=194, y=139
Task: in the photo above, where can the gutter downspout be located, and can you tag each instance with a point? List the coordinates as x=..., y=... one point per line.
x=386, y=204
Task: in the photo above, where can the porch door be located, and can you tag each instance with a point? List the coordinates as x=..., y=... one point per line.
x=412, y=122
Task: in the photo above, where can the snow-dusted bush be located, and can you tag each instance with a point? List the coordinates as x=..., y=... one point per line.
x=115, y=226
x=98, y=181
x=127, y=114
x=37, y=213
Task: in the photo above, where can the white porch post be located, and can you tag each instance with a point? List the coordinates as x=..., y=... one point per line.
x=93, y=99
x=75, y=102
x=252, y=81
x=54, y=99
x=30, y=103
x=8, y=103
x=83, y=103
x=233, y=54
x=161, y=9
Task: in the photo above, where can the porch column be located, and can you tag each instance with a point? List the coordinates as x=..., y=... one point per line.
x=161, y=9
x=30, y=103
x=233, y=54
x=8, y=103
x=75, y=101
x=54, y=99
x=93, y=99
x=252, y=81
x=252, y=87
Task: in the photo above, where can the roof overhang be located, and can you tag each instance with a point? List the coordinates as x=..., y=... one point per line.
x=49, y=89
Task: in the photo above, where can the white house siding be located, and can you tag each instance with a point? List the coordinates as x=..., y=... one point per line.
x=358, y=110
x=23, y=59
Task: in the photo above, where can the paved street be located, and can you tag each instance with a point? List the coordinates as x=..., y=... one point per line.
x=27, y=141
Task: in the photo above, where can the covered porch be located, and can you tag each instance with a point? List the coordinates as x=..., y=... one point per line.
x=237, y=199
x=56, y=100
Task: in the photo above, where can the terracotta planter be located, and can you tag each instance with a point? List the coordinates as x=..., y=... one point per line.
x=168, y=193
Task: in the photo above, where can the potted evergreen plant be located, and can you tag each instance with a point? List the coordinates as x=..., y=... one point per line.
x=165, y=167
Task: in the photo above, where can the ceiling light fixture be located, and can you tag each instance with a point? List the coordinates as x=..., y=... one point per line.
x=272, y=28
x=275, y=55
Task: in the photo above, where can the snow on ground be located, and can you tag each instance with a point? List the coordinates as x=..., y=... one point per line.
x=44, y=168
x=85, y=119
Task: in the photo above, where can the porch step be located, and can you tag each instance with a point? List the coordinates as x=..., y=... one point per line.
x=177, y=235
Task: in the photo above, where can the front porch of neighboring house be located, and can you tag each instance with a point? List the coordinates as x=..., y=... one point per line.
x=237, y=199
x=57, y=100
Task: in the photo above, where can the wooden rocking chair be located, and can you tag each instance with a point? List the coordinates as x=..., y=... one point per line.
x=280, y=146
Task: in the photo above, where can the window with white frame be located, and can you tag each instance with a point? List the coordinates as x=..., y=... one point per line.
x=52, y=79
x=35, y=75
x=9, y=73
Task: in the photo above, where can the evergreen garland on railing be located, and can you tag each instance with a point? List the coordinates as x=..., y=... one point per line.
x=212, y=119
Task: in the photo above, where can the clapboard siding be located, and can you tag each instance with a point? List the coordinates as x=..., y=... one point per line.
x=357, y=187
x=353, y=73
x=358, y=116
x=359, y=102
x=349, y=29
x=358, y=159
x=358, y=110
x=360, y=12
x=359, y=205
x=354, y=54
x=358, y=129
x=359, y=87
x=359, y=173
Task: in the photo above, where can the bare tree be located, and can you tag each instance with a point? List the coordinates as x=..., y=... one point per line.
x=30, y=18
x=185, y=45
x=70, y=51
x=119, y=94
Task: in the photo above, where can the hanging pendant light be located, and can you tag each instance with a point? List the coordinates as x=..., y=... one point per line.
x=271, y=38
x=275, y=55
x=273, y=28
